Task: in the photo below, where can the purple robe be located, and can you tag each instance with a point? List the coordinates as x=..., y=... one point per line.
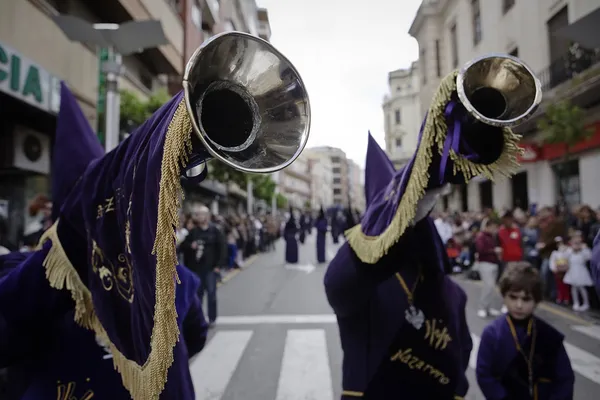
x=502, y=370
x=291, y=243
x=321, y=226
x=370, y=306
x=48, y=353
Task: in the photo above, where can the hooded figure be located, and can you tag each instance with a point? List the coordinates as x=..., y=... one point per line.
x=291, y=243
x=321, y=226
x=401, y=319
x=98, y=315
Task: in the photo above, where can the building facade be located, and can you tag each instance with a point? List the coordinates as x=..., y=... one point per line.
x=356, y=187
x=321, y=176
x=32, y=64
x=452, y=32
x=402, y=114
x=294, y=183
x=339, y=168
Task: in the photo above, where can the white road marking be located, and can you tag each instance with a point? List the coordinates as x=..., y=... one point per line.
x=473, y=358
x=212, y=370
x=591, y=331
x=308, y=268
x=584, y=363
x=276, y=319
x=305, y=372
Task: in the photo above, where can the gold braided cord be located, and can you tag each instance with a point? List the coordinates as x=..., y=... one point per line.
x=370, y=249
x=145, y=382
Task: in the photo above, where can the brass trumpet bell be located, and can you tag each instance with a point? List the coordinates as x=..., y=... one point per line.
x=499, y=90
x=248, y=105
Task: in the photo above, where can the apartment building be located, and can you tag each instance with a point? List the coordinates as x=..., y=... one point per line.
x=402, y=114
x=34, y=61
x=452, y=32
x=294, y=182
x=321, y=175
x=339, y=169
x=356, y=186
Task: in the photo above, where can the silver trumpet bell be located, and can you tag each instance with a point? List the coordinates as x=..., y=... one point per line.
x=499, y=90
x=248, y=105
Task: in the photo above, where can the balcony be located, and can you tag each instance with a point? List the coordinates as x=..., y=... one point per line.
x=575, y=77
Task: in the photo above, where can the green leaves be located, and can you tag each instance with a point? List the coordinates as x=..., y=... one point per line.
x=263, y=185
x=135, y=111
x=564, y=124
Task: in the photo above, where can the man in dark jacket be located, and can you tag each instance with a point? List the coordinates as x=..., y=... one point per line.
x=204, y=252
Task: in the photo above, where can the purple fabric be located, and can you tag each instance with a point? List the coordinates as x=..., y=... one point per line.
x=370, y=306
x=75, y=147
x=96, y=211
x=497, y=358
x=384, y=189
x=321, y=226
x=64, y=353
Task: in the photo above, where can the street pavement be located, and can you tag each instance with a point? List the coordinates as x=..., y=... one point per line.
x=276, y=337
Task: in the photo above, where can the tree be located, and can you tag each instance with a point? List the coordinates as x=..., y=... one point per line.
x=564, y=124
x=135, y=111
x=281, y=201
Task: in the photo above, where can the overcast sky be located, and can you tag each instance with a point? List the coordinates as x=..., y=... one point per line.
x=344, y=50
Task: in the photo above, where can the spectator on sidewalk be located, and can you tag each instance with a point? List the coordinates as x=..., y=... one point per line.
x=488, y=258
x=578, y=276
x=550, y=227
x=205, y=251
x=559, y=265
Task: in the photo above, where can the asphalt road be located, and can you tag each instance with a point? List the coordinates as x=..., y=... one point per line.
x=276, y=337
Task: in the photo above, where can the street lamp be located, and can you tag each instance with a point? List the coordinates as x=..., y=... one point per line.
x=120, y=40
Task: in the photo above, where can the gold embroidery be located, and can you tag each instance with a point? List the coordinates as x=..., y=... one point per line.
x=414, y=362
x=108, y=206
x=352, y=393
x=437, y=337
x=120, y=277
x=67, y=392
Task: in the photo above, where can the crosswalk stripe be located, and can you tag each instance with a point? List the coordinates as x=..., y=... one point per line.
x=473, y=357
x=584, y=363
x=591, y=331
x=305, y=372
x=224, y=350
x=276, y=319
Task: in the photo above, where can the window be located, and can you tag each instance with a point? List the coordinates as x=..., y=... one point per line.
x=335, y=159
x=337, y=180
x=398, y=88
x=336, y=170
x=507, y=5
x=423, y=60
x=515, y=52
x=337, y=191
x=398, y=143
x=454, y=45
x=438, y=67
x=397, y=113
x=476, y=15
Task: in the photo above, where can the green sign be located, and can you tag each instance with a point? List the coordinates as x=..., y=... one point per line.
x=23, y=79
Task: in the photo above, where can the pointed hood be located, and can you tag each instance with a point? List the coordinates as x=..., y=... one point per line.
x=113, y=246
x=75, y=146
x=321, y=214
x=379, y=170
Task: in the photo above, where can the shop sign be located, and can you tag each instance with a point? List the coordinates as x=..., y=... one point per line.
x=25, y=80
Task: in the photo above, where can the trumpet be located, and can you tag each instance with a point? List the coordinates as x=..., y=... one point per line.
x=248, y=105
x=496, y=91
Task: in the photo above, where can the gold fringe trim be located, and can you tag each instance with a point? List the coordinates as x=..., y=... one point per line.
x=144, y=382
x=370, y=249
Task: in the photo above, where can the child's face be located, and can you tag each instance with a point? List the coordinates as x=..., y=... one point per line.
x=520, y=305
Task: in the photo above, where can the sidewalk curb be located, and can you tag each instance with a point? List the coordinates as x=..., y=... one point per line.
x=236, y=271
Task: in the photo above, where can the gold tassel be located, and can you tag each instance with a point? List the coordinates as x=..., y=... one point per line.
x=370, y=249
x=147, y=381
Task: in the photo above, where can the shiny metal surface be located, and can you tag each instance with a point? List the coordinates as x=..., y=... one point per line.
x=248, y=104
x=499, y=90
